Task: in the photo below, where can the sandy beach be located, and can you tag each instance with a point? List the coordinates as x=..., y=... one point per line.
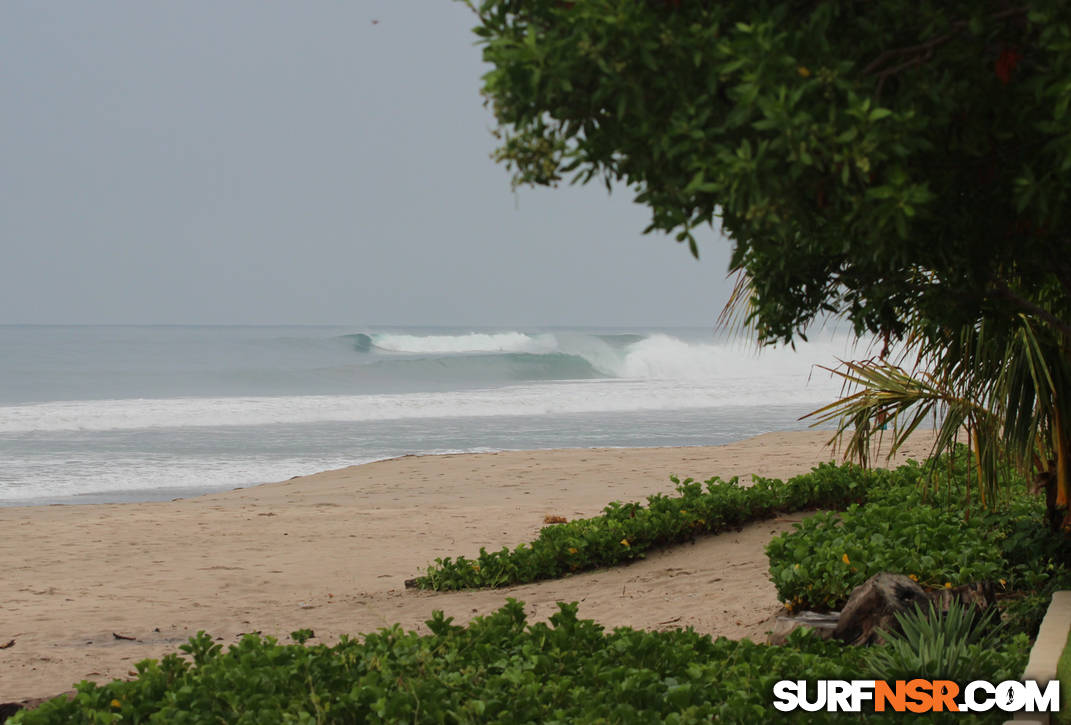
x=331, y=552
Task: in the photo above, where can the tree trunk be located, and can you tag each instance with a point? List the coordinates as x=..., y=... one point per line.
x=1063, y=475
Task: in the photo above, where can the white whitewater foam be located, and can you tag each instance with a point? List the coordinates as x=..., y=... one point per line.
x=100, y=474
x=93, y=475
x=543, y=399
x=664, y=357
x=469, y=343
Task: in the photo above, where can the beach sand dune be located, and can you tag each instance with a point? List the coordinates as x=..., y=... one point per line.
x=331, y=552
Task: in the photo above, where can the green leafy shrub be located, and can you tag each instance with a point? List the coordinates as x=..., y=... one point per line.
x=817, y=565
x=625, y=532
x=918, y=524
x=1027, y=605
x=498, y=669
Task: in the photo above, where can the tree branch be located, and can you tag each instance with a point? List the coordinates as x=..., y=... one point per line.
x=922, y=52
x=1004, y=292
x=928, y=46
x=917, y=60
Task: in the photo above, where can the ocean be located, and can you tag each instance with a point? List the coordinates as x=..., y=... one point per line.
x=92, y=414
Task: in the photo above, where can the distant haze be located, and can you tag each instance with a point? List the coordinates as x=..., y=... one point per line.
x=288, y=163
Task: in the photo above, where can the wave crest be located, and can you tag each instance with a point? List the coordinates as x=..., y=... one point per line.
x=473, y=342
x=575, y=355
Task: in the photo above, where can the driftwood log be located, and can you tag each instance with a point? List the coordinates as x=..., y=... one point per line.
x=874, y=604
x=823, y=623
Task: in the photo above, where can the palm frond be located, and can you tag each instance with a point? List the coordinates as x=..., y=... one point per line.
x=737, y=316
x=879, y=393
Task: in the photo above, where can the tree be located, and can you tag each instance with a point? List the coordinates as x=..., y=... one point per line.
x=904, y=165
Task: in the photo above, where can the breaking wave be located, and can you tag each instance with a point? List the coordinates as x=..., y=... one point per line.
x=567, y=356
x=575, y=373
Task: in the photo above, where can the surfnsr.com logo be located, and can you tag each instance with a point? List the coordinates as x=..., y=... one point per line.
x=916, y=696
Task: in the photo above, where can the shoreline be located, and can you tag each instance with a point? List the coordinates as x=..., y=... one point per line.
x=330, y=552
x=121, y=496
x=170, y=495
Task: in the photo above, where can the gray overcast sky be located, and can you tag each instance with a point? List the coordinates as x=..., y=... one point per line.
x=293, y=162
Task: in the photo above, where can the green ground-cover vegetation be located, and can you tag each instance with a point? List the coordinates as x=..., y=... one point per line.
x=909, y=520
x=626, y=532
x=500, y=668
x=925, y=532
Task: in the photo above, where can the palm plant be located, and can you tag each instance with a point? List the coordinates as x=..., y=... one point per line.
x=1002, y=385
